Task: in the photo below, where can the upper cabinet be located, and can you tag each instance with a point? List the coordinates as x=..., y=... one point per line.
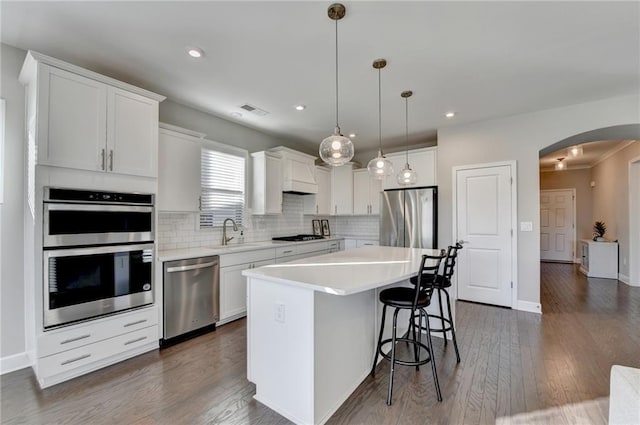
x=342, y=189
x=179, y=169
x=87, y=121
x=423, y=161
x=267, y=183
x=320, y=203
x=366, y=193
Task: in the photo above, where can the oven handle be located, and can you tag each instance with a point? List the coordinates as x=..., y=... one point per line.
x=92, y=207
x=64, y=252
x=193, y=267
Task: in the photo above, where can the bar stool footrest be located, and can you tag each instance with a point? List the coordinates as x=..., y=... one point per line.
x=406, y=362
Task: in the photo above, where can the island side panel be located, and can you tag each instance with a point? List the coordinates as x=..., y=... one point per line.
x=344, y=347
x=280, y=347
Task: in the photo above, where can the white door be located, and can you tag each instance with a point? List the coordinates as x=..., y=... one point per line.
x=484, y=219
x=132, y=133
x=557, y=230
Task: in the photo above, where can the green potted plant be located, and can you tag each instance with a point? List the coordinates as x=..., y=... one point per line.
x=599, y=229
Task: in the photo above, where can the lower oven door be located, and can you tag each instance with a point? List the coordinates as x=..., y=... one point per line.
x=82, y=283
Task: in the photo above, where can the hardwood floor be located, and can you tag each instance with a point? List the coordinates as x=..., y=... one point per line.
x=512, y=362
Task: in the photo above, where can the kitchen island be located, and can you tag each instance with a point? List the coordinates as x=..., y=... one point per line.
x=313, y=325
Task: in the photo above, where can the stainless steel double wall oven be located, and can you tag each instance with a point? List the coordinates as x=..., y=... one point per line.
x=98, y=250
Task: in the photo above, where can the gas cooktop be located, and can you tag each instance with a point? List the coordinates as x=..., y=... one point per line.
x=298, y=238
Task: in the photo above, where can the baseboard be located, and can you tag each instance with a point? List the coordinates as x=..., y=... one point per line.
x=14, y=362
x=529, y=306
x=626, y=279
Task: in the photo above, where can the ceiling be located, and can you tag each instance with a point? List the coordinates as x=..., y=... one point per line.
x=593, y=153
x=480, y=59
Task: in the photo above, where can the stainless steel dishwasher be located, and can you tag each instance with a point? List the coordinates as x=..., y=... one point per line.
x=191, y=292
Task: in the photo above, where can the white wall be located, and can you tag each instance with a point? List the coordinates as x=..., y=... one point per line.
x=520, y=138
x=12, y=320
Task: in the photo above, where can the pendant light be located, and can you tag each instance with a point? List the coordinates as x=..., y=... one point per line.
x=380, y=167
x=336, y=149
x=560, y=164
x=407, y=176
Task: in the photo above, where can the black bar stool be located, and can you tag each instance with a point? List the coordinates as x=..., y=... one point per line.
x=441, y=283
x=415, y=299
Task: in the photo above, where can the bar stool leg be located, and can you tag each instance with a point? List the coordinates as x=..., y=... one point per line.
x=412, y=328
x=393, y=355
x=375, y=359
x=453, y=328
x=444, y=333
x=433, y=358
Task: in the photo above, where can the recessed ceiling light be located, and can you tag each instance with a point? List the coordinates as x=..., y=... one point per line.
x=352, y=135
x=236, y=114
x=450, y=114
x=195, y=52
x=300, y=107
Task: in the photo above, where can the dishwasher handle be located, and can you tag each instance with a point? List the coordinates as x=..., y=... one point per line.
x=192, y=267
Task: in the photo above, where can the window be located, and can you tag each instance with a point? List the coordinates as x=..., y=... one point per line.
x=223, y=186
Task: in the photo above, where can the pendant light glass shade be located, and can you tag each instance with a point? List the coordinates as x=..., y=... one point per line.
x=560, y=165
x=575, y=151
x=380, y=167
x=336, y=149
x=407, y=176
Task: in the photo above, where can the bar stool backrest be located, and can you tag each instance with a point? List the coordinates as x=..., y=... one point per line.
x=450, y=261
x=427, y=275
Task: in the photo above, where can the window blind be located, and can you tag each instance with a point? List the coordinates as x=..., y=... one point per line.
x=222, y=181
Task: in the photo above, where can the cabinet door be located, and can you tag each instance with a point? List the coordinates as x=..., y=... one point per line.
x=375, y=187
x=178, y=173
x=233, y=289
x=323, y=197
x=342, y=190
x=423, y=161
x=132, y=133
x=72, y=120
x=361, y=204
x=273, y=187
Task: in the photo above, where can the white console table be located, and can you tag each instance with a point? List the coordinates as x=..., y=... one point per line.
x=599, y=259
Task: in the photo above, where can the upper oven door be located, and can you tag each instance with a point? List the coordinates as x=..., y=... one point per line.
x=96, y=224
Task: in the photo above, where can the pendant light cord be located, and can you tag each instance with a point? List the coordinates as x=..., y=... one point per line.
x=379, y=115
x=406, y=114
x=337, y=125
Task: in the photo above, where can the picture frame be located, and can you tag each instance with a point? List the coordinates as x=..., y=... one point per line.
x=325, y=228
x=317, y=231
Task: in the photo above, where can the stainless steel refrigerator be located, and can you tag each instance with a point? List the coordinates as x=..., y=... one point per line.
x=409, y=217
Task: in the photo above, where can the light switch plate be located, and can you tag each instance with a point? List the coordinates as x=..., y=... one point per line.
x=526, y=226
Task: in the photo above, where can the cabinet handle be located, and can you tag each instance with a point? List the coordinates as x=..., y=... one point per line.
x=111, y=160
x=335, y=208
x=78, y=338
x=142, y=338
x=137, y=322
x=200, y=203
x=317, y=209
x=287, y=252
x=103, y=159
x=84, y=356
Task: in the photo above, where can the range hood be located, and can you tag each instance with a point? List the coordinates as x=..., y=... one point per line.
x=298, y=171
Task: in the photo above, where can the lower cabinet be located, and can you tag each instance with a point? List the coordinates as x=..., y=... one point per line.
x=78, y=349
x=599, y=259
x=358, y=243
x=233, y=286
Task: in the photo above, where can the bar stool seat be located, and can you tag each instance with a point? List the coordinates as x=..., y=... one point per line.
x=440, y=283
x=416, y=300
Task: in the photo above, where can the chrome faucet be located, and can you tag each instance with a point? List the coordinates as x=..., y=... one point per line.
x=225, y=239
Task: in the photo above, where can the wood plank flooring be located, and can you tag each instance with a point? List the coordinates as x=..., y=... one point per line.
x=512, y=362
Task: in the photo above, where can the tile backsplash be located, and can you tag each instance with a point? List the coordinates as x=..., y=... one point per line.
x=181, y=230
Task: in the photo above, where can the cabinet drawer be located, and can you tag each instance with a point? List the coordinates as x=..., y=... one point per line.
x=246, y=257
x=286, y=251
x=82, y=356
x=75, y=336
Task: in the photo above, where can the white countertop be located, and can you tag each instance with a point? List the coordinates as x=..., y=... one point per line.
x=346, y=272
x=181, y=254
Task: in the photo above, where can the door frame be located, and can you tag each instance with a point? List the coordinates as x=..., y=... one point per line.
x=634, y=226
x=513, y=165
x=575, y=218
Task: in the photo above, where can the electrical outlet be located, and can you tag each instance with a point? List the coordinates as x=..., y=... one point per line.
x=526, y=226
x=278, y=312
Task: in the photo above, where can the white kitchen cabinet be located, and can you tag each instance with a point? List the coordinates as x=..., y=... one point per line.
x=342, y=190
x=86, y=123
x=366, y=193
x=74, y=350
x=366, y=242
x=267, y=183
x=335, y=246
x=178, y=171
x=320, y=203
x=599, y=259
x=422, y=161
x=233, y=286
